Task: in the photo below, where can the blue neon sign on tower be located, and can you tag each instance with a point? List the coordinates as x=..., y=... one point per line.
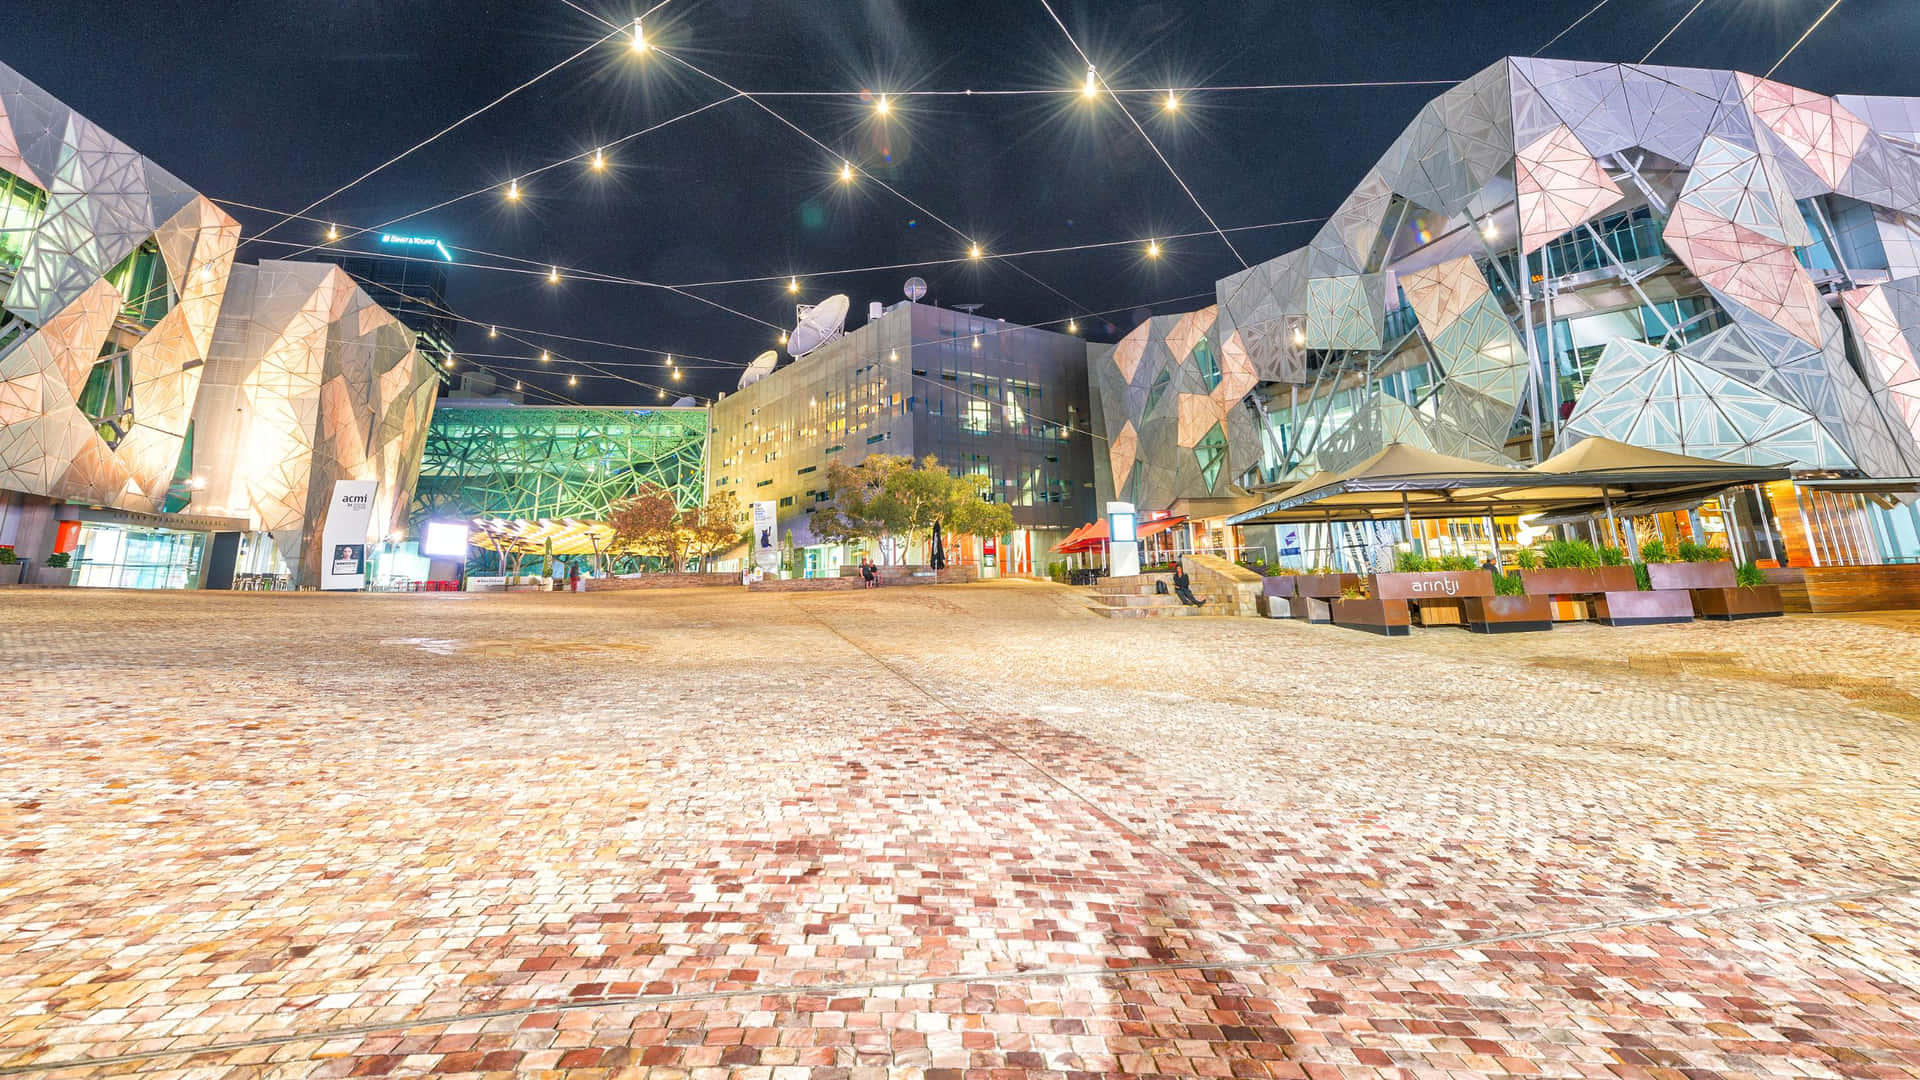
x=397, y=240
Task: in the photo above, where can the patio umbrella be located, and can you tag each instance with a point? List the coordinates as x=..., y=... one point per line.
x=937, y=557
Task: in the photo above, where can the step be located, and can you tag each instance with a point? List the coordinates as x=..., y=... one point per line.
x=1138, y=584
x=1143, y=612
x=1132, y=600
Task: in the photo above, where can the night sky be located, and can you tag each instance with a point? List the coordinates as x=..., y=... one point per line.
x=275, y=103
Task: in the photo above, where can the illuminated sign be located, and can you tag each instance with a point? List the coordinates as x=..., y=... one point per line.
x=416, y=241
x=447, y=539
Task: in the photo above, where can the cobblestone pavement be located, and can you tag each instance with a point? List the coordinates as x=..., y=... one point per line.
x=970, y=831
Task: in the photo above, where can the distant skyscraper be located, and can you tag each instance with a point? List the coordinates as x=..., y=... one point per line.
x=411, y=283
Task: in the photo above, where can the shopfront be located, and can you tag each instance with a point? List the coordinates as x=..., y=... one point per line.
x=119, y=549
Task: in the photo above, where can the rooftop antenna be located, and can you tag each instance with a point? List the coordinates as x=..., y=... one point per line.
x=968, y=308
x=817, y=324
x=759, y=369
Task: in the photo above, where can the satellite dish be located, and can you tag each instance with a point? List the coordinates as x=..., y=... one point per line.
x=818, y=324
x=683, y=402
x=968, y=308
x=761, y=366
x=915, y=288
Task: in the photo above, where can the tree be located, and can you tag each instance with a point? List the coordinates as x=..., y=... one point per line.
x=648, y=523
x=712, y=528
x=892, y=496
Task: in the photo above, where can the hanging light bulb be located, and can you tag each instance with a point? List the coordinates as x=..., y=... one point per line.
x=572, y=381
x=516, y=384
x=846, y=173
x=669, y=359
x=599, y=159
x=1092, y=86
x=553, y=276
x=793, y=284
x=333, y=231
x=1173, y=102
x=973, y=251
x=639, y=37
x=449, y=363
x=883, y=106
x=783, y=337
x=676, y=374
x=513, y=191
x=663, y=395
x=1299, y=336
x=1490, y=230
x=1153, y=249
x=1073, y=326
x=544, y=357
x=493, y=331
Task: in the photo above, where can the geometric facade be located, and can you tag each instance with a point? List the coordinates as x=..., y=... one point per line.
x=111, y=276
x=308, y=381
x=530, y=462
x=1711, y=263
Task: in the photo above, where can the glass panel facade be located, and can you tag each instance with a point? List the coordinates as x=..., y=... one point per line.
x=142, y=279
x=117, y=557
x=21, y=207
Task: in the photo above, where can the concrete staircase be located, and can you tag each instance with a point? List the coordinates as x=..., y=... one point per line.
x=1136, y=598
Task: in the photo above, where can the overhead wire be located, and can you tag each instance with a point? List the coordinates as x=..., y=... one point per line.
x=1569, y=27
x=429, y=140
x=1801, y=39
x=1671, y=30
x=1094, y=73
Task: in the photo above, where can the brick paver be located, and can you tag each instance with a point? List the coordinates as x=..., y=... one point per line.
x=970, y=831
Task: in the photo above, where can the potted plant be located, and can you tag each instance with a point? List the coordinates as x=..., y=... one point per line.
x=9, y=566
x=1751, y=597
x=1358, y=609
x=1691, y=566
x=1438, y=585
x=1575, y=568
x=1511, y=608
x=57, y=571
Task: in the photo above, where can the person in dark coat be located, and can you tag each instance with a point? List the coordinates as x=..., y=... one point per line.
x=1183, y=587
x=869, y=573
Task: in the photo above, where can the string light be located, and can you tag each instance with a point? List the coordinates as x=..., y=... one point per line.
x=513, y=191
x=663, y=395
x=974, y=252
x=333, y=231
x=1092, y=87
x=676, y=374
x=1153, y=249
x=573, y=380
x=599, y=159
x=553, y=276
x=516, y=384
x=783, y=337
x=793, y=284
x=1299, y=336
x=544, y=358
x=669, y=359
x=846, y=173
x=1073, y=326
x=493, y=331
x=1490, y=230
x=1173, y=102
x=639, y=37
x=882, y=106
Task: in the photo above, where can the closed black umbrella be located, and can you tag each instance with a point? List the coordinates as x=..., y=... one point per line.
x=937, y=558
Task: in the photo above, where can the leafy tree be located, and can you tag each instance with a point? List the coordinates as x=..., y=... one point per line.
x=648, y=523
x=712, y=528
x=888, y=495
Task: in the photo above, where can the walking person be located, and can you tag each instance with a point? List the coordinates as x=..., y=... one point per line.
x=869, y=573
x=1183, y=586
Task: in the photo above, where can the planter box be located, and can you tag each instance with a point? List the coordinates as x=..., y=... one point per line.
x=1311, y=609
x=1440, y=612
x=1508, y=614
x=1757, y=602
x=1278, y=585
x=1637, y=608
x=51, y=576
x=1690, y=575
x=1324, y=586
x=1374, y=615
x=1574, y=581
x=10, y=573
x=1432, y=585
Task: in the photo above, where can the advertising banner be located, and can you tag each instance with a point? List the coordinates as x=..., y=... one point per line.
x=343, y=540
x=1289, y=540
x=766, y=535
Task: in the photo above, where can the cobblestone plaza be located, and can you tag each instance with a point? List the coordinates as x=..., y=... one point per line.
x=936, y=833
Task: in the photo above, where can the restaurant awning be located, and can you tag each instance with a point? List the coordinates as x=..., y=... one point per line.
x=1407, y=482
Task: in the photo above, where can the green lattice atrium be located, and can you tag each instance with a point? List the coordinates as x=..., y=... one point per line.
x=556, y=462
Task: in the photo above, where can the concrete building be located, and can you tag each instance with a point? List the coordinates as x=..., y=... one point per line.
x=984, y=396
x=1696, y=261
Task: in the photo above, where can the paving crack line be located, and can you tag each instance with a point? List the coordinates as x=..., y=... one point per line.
x=1109, y=971
x=1174, y=857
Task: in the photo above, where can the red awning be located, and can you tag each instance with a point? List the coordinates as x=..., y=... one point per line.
x=1159, y=525
x=1088, y=538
